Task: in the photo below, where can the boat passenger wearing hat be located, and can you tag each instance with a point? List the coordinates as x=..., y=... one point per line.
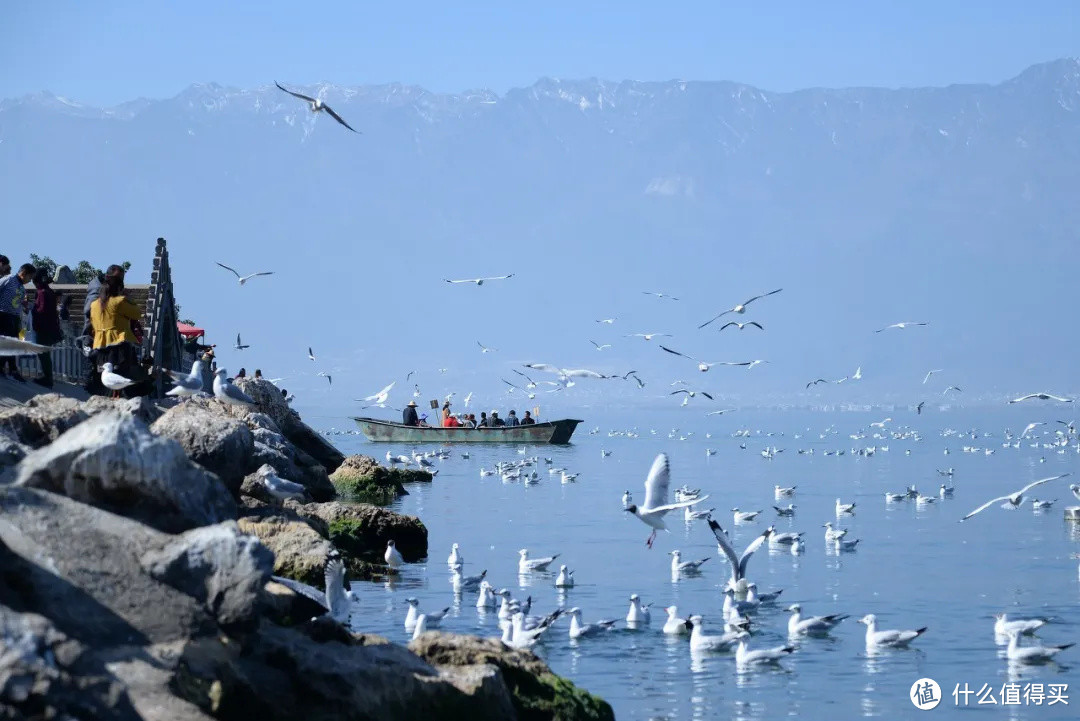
x=408, y=416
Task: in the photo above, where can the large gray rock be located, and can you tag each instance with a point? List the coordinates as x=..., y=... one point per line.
x=45, y=674
x=299, y=549
x=64, y=275
x=81, y=567
x=113, y=461
x=42, y=419
x=362, y=530
x=217, y=442
x=220, y=567
x=141, y=407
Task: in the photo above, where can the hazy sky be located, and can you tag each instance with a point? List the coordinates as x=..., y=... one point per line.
x=116, y=50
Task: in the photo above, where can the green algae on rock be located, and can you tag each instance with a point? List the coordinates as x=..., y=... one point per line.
x=362, y=480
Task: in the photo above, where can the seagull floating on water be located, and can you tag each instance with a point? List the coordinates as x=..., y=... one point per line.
x=812, y=625
x=888, y=639
x=679, y=566
x=1032, y=654
x=526, y=564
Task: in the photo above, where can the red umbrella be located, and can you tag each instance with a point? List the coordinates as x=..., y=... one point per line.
x=189, y=331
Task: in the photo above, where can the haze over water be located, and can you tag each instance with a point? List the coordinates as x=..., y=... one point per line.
x=914, y=567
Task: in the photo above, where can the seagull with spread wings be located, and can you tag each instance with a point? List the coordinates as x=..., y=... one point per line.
x=901, y=325
x=381, y=396
x=565, y=374
x=485, y=349
x=741, y=308
x=1013, y=500
x=740, y=326
x=648, y=336
x=479, y=281
x=317, y=106
x=244, y=278
x=659, y=295
x=310, y=353
x=930, y=373
x=239, y=345
x=599, y=346
x=1041, y=397
x=690, y=393
x=656, y=505
x=738, y=563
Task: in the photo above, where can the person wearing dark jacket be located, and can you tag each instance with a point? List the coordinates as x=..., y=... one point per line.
x=527, y=420
x=46, y=324
x=93, y=384
x=483, y=422
x=408, y=416
x=496, y=422
x=512, y=419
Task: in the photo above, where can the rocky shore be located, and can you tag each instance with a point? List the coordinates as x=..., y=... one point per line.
x=137, y=545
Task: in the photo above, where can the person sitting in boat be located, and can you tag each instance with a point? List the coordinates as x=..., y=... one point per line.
x=423, y=422
x=527, y=420
x=470, y=421
x=512, y=419
x=497, y=422
x=483, y=422
x=449, y=419
x=408, y=416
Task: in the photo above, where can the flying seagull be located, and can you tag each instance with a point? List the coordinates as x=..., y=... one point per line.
x=1041, y=397
x=239, y=345
x=659, y=295
x=720, y=412
x=918, y=408
x=480, y=281
x=608, y=321
x=958, y=389
x=648, y=336
x=1012, y=499
x=690, y=394
x=10, y=346
x=381, y=396
x=565, y=374
x=738, y=563
x=311, y=354
x=327, y=376
x=600, y=347
x=485, y=349
x=741, y=308
x=815, y=382
x=930, y=373
x=244, y=278
x=900, y=325
x=317, y=106
x=654, y=509
x=740, y=326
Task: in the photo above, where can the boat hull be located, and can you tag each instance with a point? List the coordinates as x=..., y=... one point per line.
x=380, y=431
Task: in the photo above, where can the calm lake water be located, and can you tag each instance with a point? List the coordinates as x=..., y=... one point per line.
x=914, y=567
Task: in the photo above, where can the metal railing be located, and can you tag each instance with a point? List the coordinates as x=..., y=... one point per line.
x=69, y=363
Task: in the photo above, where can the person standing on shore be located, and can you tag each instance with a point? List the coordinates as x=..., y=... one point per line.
x=12, y=294
x=46, y=320
x=111, y=316
x=93, y=384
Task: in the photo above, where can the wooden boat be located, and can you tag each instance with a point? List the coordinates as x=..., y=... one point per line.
x=548, y=432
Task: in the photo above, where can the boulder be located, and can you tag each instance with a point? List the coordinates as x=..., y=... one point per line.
x=141, y=407
x=362, y=479
x=11, y=452
x=46, y=674
x=537, y=692
x=361, y=530
x=217, y=442
x=81, y=567
x=273, y=449
x=217, y=566
x=286, y=607
x=42, y=419
x=299, y=550
x=64, y=275
x=112, y=461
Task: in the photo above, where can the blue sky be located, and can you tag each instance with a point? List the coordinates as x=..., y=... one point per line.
x=108, y=52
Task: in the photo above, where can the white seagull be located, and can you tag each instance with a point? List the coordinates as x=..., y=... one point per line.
x=599, y=346
x=741, y=307
x=310, y=353
x=565, y=374
x=639, y=613
x=565, y=578
x=738, y=563
x=241, y=279
x=381, y=396
x=1032, y=654
x=648, y=336
x=740, y=326
x=930, y=373
x=455, y=559
x=239, y=344
x=680, y=566
x=607, y=321
x=317, y=106
x=659, y=295
x=652, y=512
x=393, y=556
x=526, y=564
x=485, y=349
x=187, y=385
x=227, y=393
x=580, y=630
x=1041, y=397
x=746, y=657
x=890, y=639
x=1012, y=500
x=278, y=487
x=901, y=325
x=113, y=381
x=813, y=625
x=1003, y=626
x=699, y=641
x=336, y=599
x=480, y=281
x=674, y=625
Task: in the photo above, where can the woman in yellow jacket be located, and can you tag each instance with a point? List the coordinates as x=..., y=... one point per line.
x=111, y=316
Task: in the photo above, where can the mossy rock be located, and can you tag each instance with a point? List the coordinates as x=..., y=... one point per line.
x=361, y=530
x=361, y=479
x=537, y=693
